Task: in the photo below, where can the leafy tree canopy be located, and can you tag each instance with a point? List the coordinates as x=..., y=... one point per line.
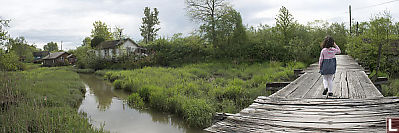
x=148, y=28
x=51, y=46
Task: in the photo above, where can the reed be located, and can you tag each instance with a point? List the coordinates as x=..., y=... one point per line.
x=196, y=91
x=42, y=100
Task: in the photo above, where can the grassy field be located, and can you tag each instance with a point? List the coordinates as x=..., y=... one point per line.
x=392, y=88
x=42, y=100
x=197, y=91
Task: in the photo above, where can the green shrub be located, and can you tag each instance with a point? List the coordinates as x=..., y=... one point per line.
x=176, y=104
x=198, y=113
x=135, y=100
x=228, y=106
x=225, y=86
x=118, y=84
x=391, y=89
x=158, y=100
x=144, y=93
x=10, y=62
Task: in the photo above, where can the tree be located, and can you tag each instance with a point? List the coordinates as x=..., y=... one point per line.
x=9, y=62
x=3, y=32
x=239, y=36
x=96, y=41
x=101, y=30
x=21, y=48
x=51, y=46
x=148, y=29
x=118, y=33
x=86, y=41
x=231, y=34
x=207, y=12
x=379, y=28
x=285, y=24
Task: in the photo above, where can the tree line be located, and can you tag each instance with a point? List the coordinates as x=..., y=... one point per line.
x=222, y=36
x=379, y=35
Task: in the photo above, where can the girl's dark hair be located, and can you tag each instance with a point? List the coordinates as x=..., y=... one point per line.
x=328, y=42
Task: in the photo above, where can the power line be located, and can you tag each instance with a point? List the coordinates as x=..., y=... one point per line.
x=376, y=5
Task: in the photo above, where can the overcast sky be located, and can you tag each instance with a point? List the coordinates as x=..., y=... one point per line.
x=70, y=21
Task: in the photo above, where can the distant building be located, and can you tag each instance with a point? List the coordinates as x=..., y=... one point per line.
x=116, y=48
x=71, y=59
x=56, y=59
x=38, y=56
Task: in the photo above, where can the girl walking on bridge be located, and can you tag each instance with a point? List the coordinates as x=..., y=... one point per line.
x=328, y=63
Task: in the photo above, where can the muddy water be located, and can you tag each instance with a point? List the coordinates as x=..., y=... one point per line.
x=106, y=108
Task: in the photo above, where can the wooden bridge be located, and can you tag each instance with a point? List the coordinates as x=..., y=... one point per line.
x=356, y=106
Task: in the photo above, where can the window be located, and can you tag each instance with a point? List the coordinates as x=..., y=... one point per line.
x=128, y=50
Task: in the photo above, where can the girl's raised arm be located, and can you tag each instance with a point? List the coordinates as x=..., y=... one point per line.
x=337, y=50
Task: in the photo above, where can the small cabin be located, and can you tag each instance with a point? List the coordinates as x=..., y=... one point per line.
x=56, y=59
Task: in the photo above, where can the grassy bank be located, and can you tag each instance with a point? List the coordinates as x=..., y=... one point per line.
x=392, y=88
x=42, y=100
x=197, y=91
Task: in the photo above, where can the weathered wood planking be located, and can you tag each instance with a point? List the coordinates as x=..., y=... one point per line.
x=350, y=81
x=344, y=85
x=291, y=87
x=357, y=105
x=304, y=87
x=337, y=91
x=311, y=115
x=368, y=86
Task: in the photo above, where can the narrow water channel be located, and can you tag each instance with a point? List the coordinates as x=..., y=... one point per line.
x=105, y=107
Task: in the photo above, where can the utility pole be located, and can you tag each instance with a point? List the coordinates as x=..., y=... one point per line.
x=61, y=45
x=357, y=28
x=350, y=20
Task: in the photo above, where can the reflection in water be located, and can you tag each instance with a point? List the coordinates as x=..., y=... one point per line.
x=103, y=104
x=102, y=90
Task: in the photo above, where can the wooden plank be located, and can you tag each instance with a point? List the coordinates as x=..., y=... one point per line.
x=353, y=85
x=344, y=85
x=370, y=90
x=327, y=102
x=290, y=87
x=316, y=90
x=277, y=84
x=305, y=86
x=337, y=89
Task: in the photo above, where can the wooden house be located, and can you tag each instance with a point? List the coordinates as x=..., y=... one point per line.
x=115, y=48
x=56, y=59
x=71, y=59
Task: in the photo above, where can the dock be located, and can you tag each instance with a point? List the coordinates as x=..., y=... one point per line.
x=356, y=106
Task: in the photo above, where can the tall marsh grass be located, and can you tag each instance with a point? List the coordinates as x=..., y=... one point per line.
x=197, y=91
x=42, y=100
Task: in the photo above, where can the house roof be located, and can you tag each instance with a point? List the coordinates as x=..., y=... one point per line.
x=71, y=55
x=53, y=55
x=41, y=53
x=114, y=43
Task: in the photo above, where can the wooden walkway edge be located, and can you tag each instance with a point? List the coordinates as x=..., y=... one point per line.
x=357, y=105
